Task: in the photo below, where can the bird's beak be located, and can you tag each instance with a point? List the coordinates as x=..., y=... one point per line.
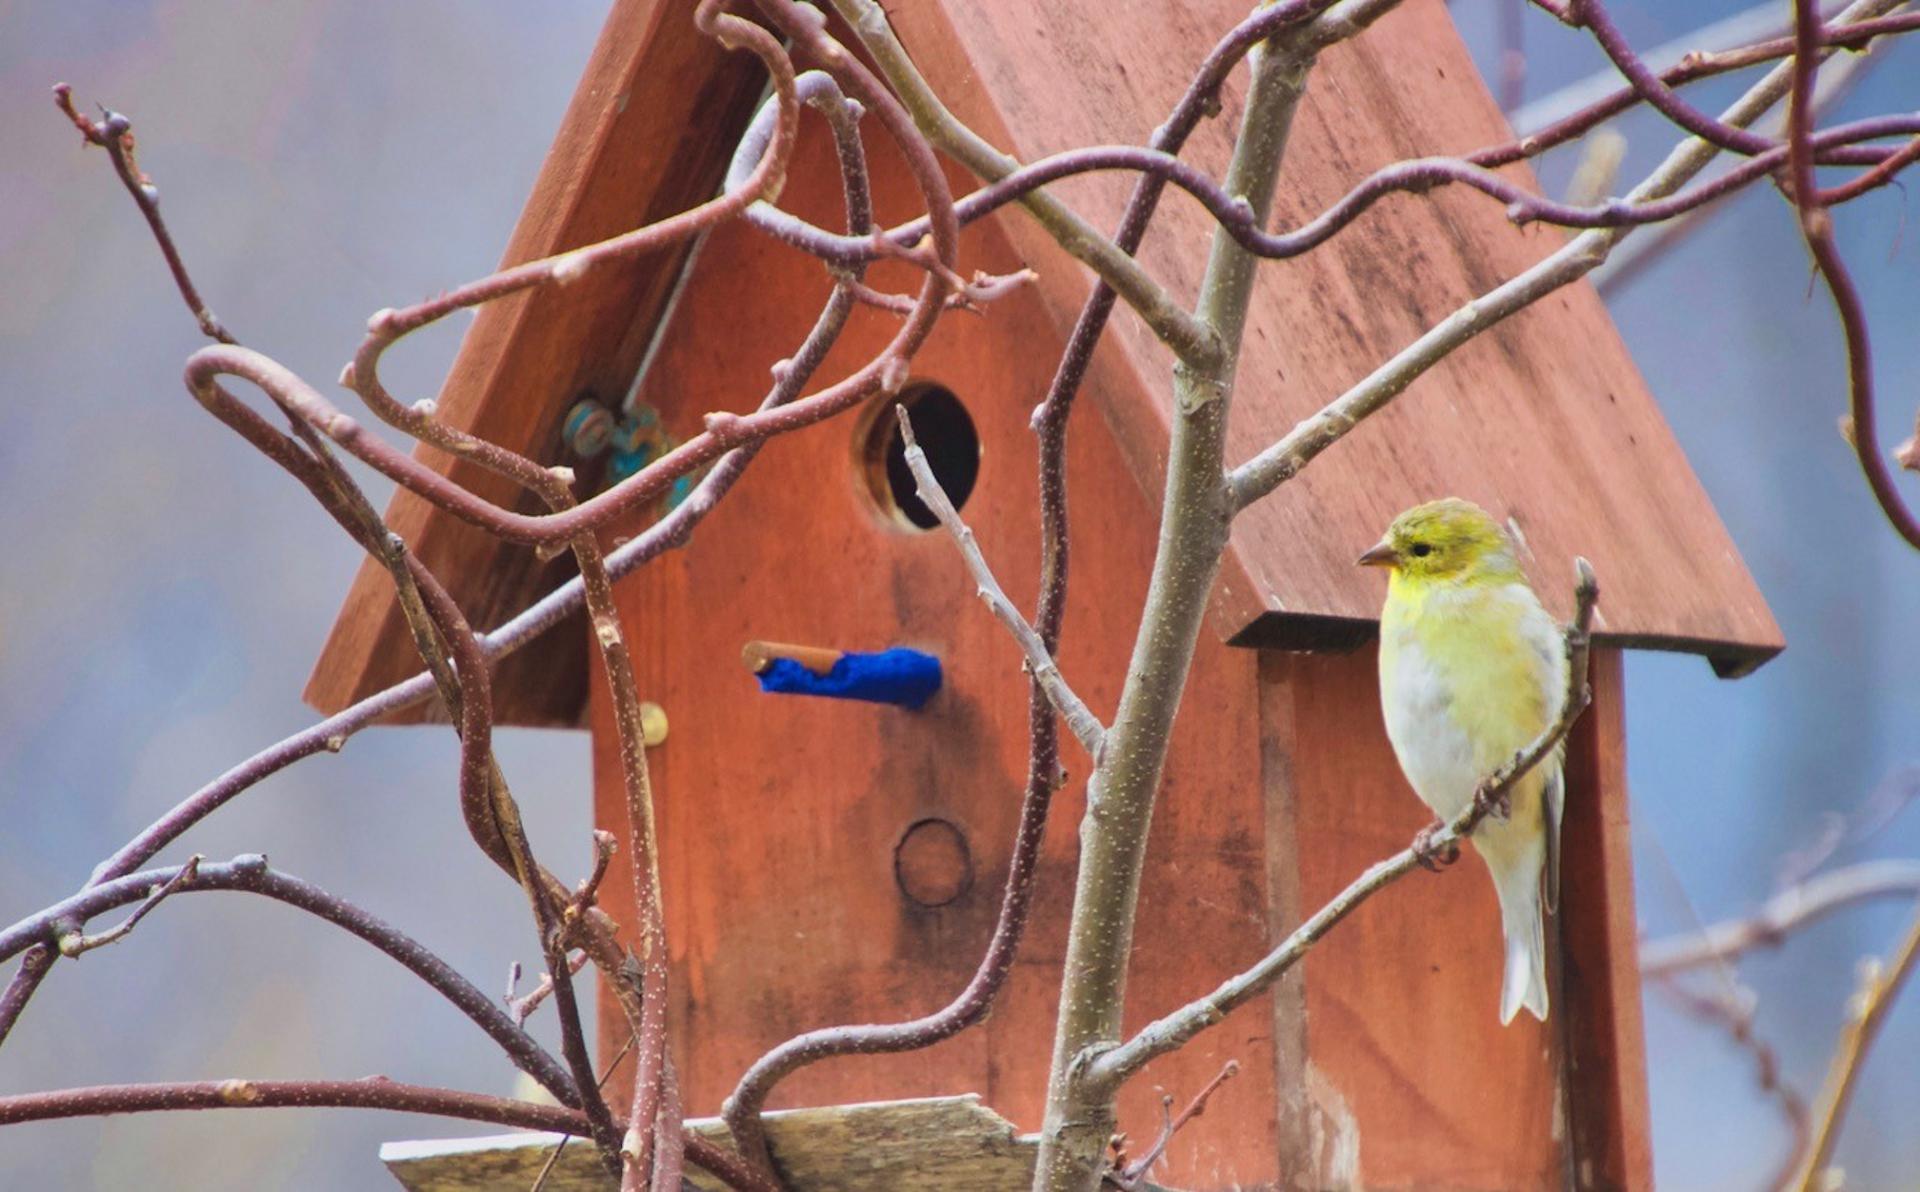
x=1380, y=554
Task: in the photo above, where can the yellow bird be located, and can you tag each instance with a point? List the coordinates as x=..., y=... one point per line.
x=1472, y=670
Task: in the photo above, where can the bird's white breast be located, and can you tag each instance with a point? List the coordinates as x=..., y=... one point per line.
x=1420, y=689
x=1433, y=749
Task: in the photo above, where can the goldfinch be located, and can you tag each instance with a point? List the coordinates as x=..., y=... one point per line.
x=1472, y=670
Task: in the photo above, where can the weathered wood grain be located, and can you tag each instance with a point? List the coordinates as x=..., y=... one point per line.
x=1391, y=1053
x=1605, y=1039
x=943, y=1144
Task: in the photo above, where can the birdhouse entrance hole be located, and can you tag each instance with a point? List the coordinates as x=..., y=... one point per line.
x=945, y=432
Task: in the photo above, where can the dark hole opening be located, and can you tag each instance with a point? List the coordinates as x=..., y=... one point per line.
x=944, y=430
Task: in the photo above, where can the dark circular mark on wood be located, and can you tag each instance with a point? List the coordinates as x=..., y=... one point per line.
x=932, y=863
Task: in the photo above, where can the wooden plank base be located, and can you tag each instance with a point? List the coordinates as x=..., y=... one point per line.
x=940, y=1144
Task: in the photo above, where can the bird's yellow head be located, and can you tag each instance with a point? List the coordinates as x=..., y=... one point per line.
x=1447, y=540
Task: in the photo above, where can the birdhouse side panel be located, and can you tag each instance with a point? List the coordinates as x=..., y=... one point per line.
x=1611, y=1132
x=1406, y=1075
x=1389, y=1043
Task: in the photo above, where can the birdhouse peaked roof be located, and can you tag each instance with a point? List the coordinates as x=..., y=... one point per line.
x=1542, y=419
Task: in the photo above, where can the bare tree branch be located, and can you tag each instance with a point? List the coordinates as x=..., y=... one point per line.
x=1129, y=1176
x=1195, y=515
x=376, y=1092
x=1784, y=913
x=1816, y=228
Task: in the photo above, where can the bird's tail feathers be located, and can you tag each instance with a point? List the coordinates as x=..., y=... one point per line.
x=1525, y=981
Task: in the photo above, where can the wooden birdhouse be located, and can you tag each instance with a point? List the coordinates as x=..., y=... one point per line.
x=830, y=861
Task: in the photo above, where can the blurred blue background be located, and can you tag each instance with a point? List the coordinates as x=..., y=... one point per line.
x=164, y=593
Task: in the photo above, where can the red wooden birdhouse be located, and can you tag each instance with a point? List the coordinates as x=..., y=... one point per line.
x=829, y=861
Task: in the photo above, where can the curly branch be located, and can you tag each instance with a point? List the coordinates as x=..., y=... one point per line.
x=250, y=874
x=1816, y=228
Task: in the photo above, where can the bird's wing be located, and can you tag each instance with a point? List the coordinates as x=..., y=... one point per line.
x=1543, y=633
x=1553, y=803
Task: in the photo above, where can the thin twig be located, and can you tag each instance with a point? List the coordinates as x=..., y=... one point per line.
x=522, y=1008
x=1880, y=987
x=75, y=943
x=1081, y=722
x=1132, y=1174
x=114, y=133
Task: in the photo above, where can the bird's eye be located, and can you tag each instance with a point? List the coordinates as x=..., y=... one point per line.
x=1422, y=550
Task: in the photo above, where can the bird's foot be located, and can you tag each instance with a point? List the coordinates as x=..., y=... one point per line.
x=1432, y=857
x=1499, y=806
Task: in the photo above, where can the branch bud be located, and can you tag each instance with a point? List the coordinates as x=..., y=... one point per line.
x=570, y=267
x=238, y=1092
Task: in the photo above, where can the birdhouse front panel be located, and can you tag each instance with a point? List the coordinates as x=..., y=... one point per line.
x=833, y=861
